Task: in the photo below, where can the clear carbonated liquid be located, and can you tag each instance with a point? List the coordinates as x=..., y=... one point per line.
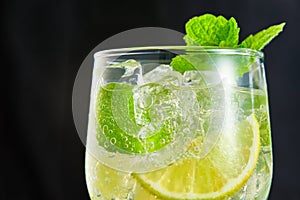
x=107, y=183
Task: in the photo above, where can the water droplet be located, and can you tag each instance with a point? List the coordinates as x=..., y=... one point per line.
x=124, y=138
x=105, y=129
x=150, y=145
x=113, y=141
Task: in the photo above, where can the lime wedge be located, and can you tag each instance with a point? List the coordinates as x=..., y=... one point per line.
x=220, y=174
x=117, y=126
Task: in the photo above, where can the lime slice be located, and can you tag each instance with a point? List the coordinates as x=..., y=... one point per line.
x=137, y=126
x=220, y=174
x=117, y=127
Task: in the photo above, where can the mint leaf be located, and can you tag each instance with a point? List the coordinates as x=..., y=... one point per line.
x=184, y=63
x=262, y=38
x=180, y=64
x=209, y=30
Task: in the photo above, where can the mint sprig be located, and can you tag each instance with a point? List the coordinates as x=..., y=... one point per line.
x=210, y=30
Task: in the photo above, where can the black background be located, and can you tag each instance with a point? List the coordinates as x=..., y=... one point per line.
x=43, y=44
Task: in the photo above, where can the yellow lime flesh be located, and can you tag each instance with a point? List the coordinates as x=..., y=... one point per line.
x=219, y=175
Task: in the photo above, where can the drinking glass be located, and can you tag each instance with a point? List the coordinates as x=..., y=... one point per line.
x=178, y=122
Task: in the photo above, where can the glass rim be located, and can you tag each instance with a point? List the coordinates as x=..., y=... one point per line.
x=198, y=49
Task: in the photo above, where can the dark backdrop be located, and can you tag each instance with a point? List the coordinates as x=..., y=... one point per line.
x=43, y=44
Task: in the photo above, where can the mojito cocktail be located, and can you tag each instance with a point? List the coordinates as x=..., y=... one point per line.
x=179, y=123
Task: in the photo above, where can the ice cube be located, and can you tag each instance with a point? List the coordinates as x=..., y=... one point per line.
x=201, y=78
x=162, y=98
x=133, y=73
x=157, y=73
x=154, y=102
x=164, y=75
x=208, y=87
x=129, y=72
x=158, y=98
